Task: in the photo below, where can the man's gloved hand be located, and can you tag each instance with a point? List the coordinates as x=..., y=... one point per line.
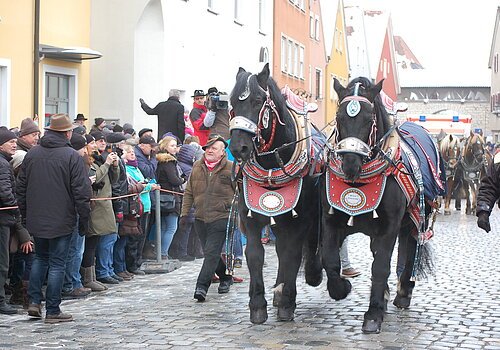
x=83, y=227
x=141, y=101
x=483, y=221
x=119, y=217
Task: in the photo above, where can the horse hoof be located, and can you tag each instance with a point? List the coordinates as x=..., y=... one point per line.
x=314, y=272
x=286, y=314
x=258, y=316
x=340, y=290
x=402, y=302
x=371, y=326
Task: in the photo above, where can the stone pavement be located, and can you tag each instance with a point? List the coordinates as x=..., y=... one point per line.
x=459, y=308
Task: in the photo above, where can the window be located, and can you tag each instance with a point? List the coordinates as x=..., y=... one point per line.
x=262, y=14
x=301, y=4
x=4, y=91
x=319, y=84
x=56, y=95
x=301, y=63
x=211, y=7
x=495, y=63
x=283, y=55
x=296, y=60
x=290, y=57
x=311, y=26
x=237, y=18
x=316, y=27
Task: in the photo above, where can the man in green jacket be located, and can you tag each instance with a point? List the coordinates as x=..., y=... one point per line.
x=211, y=191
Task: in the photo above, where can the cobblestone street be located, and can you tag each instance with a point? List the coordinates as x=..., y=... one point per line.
x=459, y=308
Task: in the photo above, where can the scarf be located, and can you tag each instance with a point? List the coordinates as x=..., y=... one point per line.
x=133, y=163
x=211, y=165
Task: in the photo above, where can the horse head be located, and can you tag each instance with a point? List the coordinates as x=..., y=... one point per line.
x=450, y=150
x=361, y=122
x=258, y=111
x=475, y=147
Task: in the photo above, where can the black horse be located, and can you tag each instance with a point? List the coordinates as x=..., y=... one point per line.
x=266, y=141
x=366, y=147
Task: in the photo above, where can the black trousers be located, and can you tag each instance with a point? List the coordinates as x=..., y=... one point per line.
x=4, y=259
x=212, y=236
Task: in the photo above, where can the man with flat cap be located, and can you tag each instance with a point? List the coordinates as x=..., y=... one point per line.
x=210, y=190
x=170, y=115
x=52, y=170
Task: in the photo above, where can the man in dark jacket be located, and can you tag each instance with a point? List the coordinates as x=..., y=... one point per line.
x=489, y=193
x=211, y=191
x=53, y=170
x=170, y=115
x=9, y=217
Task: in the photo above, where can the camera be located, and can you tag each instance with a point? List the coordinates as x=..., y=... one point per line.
x=217, y=101
x=113, y=148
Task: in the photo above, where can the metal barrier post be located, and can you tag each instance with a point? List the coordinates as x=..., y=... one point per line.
x=158, y=226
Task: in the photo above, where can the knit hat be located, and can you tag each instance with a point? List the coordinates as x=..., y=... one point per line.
x=79, y=130
x=77, y=141
x=186, y=154
x=28, y=126
x=89, y=138
x=99, y=121
x=129, y=132
x=6, y=135
x=127, y=126
x=117, y=128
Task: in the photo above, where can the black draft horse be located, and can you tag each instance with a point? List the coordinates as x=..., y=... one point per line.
x=256, y=97
x=359, y=131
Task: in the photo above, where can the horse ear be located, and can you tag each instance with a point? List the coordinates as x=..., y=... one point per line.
x=376, y=90
x=240, y=70
x=338, y=87
x=263, y=76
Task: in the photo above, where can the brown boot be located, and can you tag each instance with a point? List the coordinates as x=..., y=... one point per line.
x=89, y=280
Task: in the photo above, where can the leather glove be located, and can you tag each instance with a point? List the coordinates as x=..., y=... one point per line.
x=83, y=227
x=119, y=217
x=483, y=221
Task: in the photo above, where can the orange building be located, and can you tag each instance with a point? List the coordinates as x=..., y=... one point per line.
x=299, y=59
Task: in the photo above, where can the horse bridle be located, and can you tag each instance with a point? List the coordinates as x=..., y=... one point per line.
x=478, y=159
x=354, y=144
x=267, y=113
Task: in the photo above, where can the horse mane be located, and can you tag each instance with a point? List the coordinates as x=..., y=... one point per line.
x=445, y=143
x=383, y=120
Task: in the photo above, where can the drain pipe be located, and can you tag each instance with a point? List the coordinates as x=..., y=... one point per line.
x=36, y=58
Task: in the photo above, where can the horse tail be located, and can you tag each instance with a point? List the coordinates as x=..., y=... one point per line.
x=424, y=264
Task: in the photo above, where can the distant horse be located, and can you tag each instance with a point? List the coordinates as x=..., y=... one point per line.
x=473, y=167
x=374, y=185
x=271, y=143
x=450, y=150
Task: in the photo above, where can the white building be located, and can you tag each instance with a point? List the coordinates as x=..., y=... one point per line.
x=152, y=46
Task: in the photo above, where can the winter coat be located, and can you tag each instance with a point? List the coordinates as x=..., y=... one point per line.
x=102, y=216
x=168, y=177
x=120, y=187
x=197, y=116
x=186, y=158
x=170, y=117
x=53, y=187
x=221, y=124
x=211, y=192
x=7, y=192
x=147, y=166
x=489, y=191
x=18, y=157
x=136, y=174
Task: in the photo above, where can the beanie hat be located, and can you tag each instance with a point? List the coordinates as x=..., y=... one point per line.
x=89, y=138
x=117, y=128
x=6, y=135
x=186, y=154
x=99, y=121
x=77, y=141
x=28, y=126
x=127, y=126
x=79, y=130
x=98, y=135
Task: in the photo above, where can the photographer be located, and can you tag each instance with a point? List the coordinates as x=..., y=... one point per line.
x=217, y=118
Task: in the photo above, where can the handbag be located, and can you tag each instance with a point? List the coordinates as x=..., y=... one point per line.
x=129, y=226
x=167, y=202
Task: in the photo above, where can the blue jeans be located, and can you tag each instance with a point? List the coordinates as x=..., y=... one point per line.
x=104, y=256
x=168, y=228
x=50, y=255
x=72, y=277
x=119, y=264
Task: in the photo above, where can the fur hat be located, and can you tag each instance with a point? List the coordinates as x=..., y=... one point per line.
x=28, y=126
x=78, y=141
x=6, y=135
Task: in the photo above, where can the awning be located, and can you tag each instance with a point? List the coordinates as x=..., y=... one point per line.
x=71, y=54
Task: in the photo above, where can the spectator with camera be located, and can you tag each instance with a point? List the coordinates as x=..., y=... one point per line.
x=170, y=114
x=197, y=116
x=217, y=118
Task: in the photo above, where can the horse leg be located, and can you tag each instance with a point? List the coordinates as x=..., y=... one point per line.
x=254, y=253
x=447, y=200
x=381, y=248
x=338, y=287
x=313, y=267
x=405, y=286
x=289, y=249
x=468, y=191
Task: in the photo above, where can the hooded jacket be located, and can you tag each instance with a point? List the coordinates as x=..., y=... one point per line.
x=53, y=187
